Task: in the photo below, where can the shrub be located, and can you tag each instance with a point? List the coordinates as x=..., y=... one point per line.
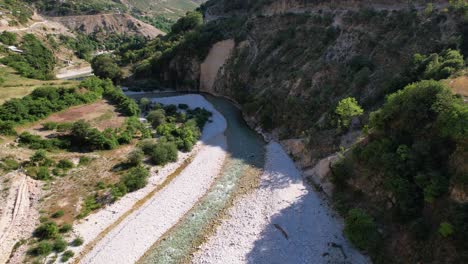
x=47, y=230
x=445, y=229
x=67, y=255
x=361, y=230
x=43, y=248
x=84, y=160
x=43, y=173
x=77, y=242
x=135, y=178
x=50, y=126
x=89, y=204
x=135, y=158
x=163, y=153
x=65, y=164
x=65, y=228
x=59, y=245
x=58, y=214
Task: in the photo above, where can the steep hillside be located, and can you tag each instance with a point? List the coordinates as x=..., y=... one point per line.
x=107, y=24
x=172, y=9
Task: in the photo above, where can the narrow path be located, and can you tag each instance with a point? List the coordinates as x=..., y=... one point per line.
x=283, y=221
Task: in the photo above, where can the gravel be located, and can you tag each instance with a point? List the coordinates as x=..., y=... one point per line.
x=283, y=221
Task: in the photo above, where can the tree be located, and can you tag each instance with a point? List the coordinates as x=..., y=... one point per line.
x=346, y=110
x=191, y=21
x=105, y=67
x=163, y=153
x=156, y=117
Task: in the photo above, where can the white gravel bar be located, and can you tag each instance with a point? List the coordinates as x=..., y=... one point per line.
x=131, y=238
x=283, y=221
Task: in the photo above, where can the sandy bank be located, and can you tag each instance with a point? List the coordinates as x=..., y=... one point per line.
x=136, y=233
x=283, y=221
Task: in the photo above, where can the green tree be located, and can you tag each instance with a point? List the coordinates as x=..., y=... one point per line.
x=346, y=110
x=156, y=117
x=105, y=67
x=191, y=21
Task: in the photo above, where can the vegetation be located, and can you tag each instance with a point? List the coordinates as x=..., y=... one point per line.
x=74, y=7
x=105, y=67
x=135, y=178
x=35, y=62
x=346, y=110
x=77, y=242
x=361, y=229
x=8, y=38
x=47, y=230
x=67, y=255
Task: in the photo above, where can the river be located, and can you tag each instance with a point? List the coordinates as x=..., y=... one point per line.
x=241, y=170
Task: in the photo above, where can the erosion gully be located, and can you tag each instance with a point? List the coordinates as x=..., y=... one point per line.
x=241, y=171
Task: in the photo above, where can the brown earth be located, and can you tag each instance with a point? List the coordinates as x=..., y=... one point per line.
x=100, y=115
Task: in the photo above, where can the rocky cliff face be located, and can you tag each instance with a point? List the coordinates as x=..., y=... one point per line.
x=294, y=60
x=108, y=23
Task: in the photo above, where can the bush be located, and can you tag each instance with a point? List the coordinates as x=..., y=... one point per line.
x=163, y=153
x=47, y=230
x=58, y=214
x=135, y=158
x=43, y=248
x=77, y=242
x=50, y=126
x=445, y=229
x=90, y=204
x=361, y=230
x=84, y=160
x=59, y=245
x=65, y=228
x=65, y=164
x=43, y=173
x=67, y=255
x=136, y=178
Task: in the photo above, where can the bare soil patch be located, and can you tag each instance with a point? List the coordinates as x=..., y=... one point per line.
x=100, y=115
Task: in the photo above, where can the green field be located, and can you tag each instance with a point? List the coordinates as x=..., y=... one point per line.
x=13, y=85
